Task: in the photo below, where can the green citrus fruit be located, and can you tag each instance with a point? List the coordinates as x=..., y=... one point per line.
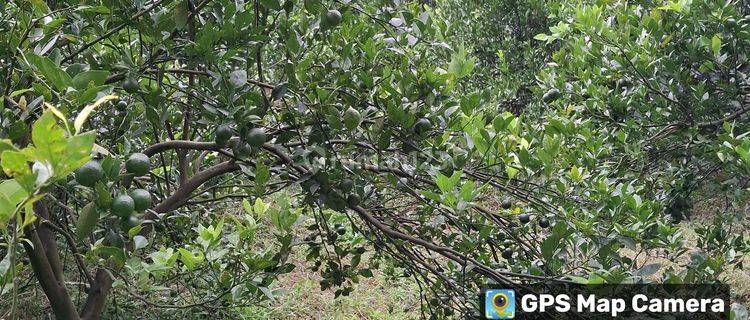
x=524, y=218
x=352, y=118
x=224, y=278
x=138, y=164
x=88, y=174
x=256, y=137
x=130, y=85
x=333, y=17
x=121, y=105
x=127, y=223
x=544, y=223
x=223, y=134
x=123, y=205
x=141, y=199
x=242, y=150
x=506, y=204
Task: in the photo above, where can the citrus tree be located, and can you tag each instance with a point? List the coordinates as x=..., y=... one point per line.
x=152, y=139
x=669, y=82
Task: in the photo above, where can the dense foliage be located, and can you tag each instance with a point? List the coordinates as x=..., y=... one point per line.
x=146, y=144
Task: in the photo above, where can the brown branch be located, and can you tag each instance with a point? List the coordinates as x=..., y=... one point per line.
x=59, y=299
x=180, y=196
x=371, y=220
x=72, y=245
x=180, y=144
x=47, y=237
x=97, y=297
x=721, y=121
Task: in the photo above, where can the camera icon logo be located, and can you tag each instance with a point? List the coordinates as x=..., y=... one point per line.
x=500, y=304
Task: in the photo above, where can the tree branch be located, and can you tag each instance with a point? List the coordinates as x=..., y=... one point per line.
x=72, y=245
x=58, y=296
x=180, y=196
x=180, y=144
x=98, y=292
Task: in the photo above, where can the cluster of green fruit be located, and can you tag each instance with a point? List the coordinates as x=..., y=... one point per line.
x=524, y=218
x=419, y=131
x=123, y=206
x=338, y=230
x=336, y=197
x=252, y=139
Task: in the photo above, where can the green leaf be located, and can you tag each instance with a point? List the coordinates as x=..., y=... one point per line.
x=89, y=94
x=6, y=144
x=140, y=242
x=238, y=78
x=312, y=6
x=94, y=9
x=260, y=207
x=460, y=66
x=87, y=221
x=446, y=184
x=279, y=91
x=181, y=14
x=7, y=208
x=49, y=139
x=83, y=79
x=578, y=279
x=57, y=76
x=84, y=114
x=575, y=174
x=648, y=270
x=271, y=4
x=367, y=273
x=77, y=153
x=716, y=45
x=352, y=118
x=117, y=254
x=549, y=246
x=467, y=191
x=262, y=175
x=103, y=197
x=20, y=92
x=247, y=206
x=541, y=37
x=134, y=231
x=293, y=42
x=189, y=259
x=282, y=219
x=13, y=190
x=15, y=163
